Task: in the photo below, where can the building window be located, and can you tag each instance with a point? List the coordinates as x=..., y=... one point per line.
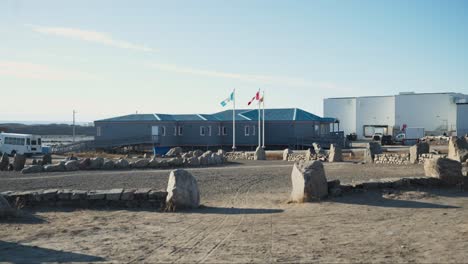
x=163, y=131
x=225, y=131
x=202, y=131
x=175, y=130
x=181, y=130
x=98, y=131
x=247, y=130
x=209, y=131
x=253, y=130
x=219, y=130
x=317, y=130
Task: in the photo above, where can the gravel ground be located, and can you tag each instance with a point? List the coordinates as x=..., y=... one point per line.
x=211, y=180
x=245, y=219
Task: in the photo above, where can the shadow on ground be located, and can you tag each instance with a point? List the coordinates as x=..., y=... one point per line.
x=18, y=253
x=23, y=217
x=376, y=199
x=234, y=211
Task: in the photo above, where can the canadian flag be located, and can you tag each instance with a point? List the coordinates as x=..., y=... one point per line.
x=256, y=97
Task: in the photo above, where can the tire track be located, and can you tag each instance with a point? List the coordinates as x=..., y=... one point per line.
x=221, y=224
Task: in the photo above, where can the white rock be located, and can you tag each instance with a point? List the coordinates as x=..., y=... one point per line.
x=182, y=190
x=309, y=182
x=259, y=154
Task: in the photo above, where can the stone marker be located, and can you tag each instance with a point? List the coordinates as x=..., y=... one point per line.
x=18, y=162
x=47, y=159
x=449, y=171
x=182, y=190
x=259, y=154
x=335, y=154
x=458, y=149
x=33, y=169
x=72, y=165
x=4, y=162
x=418, y=149
x=372, y=149
x=286, y=153
x=309, y=182
x=174, y=152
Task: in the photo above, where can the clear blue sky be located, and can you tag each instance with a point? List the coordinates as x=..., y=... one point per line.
x=107, y=58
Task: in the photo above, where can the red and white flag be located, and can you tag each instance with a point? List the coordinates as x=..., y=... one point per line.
x=256, y=97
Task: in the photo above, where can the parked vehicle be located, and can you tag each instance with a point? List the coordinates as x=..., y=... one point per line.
x=377, y=136
x=410, y=136
x=386, y=140
x=20, y=144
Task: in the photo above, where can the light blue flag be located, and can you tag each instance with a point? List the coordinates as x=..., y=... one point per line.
x=227, y=100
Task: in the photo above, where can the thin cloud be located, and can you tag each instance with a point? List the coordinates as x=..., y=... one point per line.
x=265, y=79
x=91, y=36
x=26, y=70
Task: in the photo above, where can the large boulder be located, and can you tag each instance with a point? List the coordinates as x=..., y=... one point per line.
x=18, y=162
x=59, y=167
x=259, y=154
x=458, y=149
x=203, y=160
x=108, y=165
x=174, y=152
x=32, y=169
x=193, y=161
x=175, y=162
x=286, y=153
x=309, y=182
x=122, y=164
x=418, y=149
x=216, y=159
x=372, y=149
x=140, y=164
x=182, y=190
x=72, y=165
x=154, y=163
x=96, y=163
x=84, y=164
x=47, y=159
x=197, y=153
x=449, y=171
x=5, y=209
x=4, y=162
x=336, y=154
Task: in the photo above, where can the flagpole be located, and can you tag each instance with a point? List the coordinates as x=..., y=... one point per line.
x=263, y=130
x=259, y=123
x=234, y=122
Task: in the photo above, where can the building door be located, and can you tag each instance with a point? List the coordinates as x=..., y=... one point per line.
x=155, y=133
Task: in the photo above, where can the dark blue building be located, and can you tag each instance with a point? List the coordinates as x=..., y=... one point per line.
x=292, y=127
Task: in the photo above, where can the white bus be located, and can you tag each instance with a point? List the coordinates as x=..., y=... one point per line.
x=20, y=143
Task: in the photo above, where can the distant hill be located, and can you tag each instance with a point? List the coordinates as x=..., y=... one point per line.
x=47, y=129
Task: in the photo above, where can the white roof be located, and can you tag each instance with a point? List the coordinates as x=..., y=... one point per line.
x=16, y=135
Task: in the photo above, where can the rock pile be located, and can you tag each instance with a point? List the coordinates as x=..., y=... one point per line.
x=240, y=155
x=190, y=159
x=392, y=158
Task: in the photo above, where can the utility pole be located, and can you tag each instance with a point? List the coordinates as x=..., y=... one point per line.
x=74, y=113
